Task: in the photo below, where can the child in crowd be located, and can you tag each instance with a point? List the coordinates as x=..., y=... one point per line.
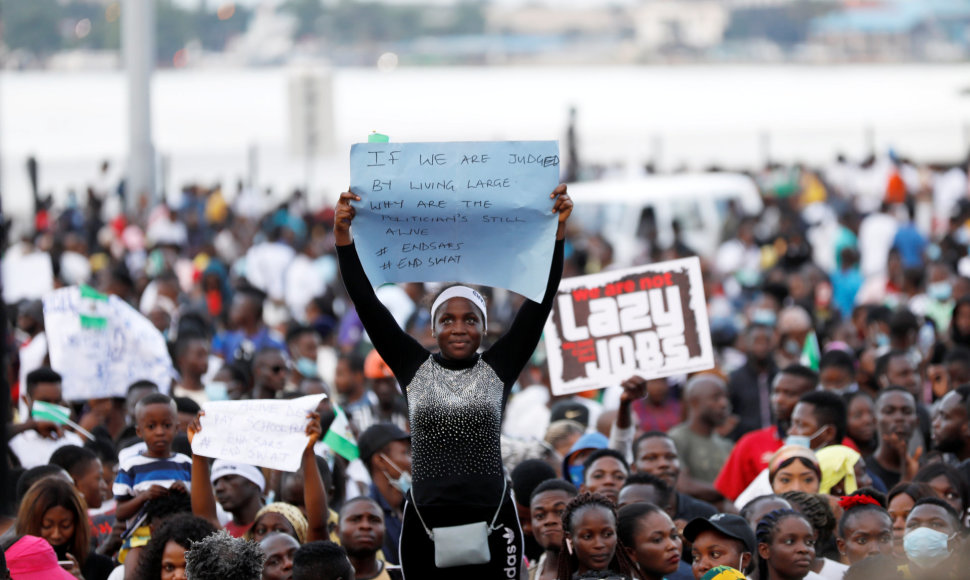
x=157, y=470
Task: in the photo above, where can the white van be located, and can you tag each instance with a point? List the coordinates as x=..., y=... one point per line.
x=619, y=210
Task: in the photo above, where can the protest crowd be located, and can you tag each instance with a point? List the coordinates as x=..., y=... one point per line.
x=830, y=440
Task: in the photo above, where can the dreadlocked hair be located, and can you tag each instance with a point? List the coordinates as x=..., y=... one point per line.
x=765, y=532
x=568, y=563
x=816, y=510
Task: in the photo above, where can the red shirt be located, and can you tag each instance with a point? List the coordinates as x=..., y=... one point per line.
x=749, y=457
x=235, y=530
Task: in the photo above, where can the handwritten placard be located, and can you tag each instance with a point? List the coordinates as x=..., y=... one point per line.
x=263, y=432
x=473, y=212
x=100, y=345
x=649, y=321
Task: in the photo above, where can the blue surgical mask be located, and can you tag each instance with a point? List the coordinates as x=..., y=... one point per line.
x=764, y=316
x=307, y=368
x=882, y=339
x=926, y=547
x=402, y=482
x=576, y=474
x=217, y=391
x=803, y=440
x=792, y=347
x=939, y=291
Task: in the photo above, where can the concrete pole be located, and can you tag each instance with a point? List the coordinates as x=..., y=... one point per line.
x=138, y=43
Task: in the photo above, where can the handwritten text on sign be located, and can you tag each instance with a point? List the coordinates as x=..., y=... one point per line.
x=474, y=212
x=101, y=361
x=267, y=433
x=649, y=321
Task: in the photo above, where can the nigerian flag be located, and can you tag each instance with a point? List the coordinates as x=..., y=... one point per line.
x=340, y=438
x=811, y=354
x=50, y=412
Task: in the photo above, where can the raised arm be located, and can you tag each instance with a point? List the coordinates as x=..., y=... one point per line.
x=510, y=353
x=203, y=498
x=314, y=493
x=398, y=349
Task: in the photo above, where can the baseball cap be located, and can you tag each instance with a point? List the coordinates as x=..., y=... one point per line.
x=571, y=410
x=33, y=558
x=729, y=525
x=222, y=467
x=375, y=367
x=376, y=437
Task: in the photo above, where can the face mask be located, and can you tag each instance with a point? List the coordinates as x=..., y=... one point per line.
x=576, y=474
x=764, y=316
x=882, y=340
x=939, y=291
x=850, y=388
x=217, y=391
x=402, y=482
x=307, y=368
x=925, y=547
x=803, y=440
x=792, y=347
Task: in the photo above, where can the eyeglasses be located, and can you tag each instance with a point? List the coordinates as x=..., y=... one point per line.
x=277, y=368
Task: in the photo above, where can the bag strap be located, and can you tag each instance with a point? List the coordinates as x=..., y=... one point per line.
x=491, y=527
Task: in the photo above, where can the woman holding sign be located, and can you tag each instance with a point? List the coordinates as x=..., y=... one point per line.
x=460, y=520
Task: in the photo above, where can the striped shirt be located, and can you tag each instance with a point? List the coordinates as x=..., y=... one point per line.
x=138, y=473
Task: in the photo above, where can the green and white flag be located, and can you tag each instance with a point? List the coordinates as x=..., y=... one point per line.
x=93, y=309
x=57, y=414
x=811, y=353
x=49, y=412
x=340, y=438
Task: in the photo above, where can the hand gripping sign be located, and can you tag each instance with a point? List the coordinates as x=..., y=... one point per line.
x=649, y=321
x=472, y=212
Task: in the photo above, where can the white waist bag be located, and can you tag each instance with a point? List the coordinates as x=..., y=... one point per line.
x=462, y=545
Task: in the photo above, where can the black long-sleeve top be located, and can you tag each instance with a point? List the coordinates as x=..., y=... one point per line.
x=455, y=407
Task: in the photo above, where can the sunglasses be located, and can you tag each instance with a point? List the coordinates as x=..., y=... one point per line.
x=277, y=368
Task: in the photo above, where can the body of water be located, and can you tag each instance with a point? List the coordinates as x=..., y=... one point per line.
x=206, y=121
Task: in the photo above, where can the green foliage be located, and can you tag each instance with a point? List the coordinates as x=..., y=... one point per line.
x=347, y=22
x=31, y=25
x=43, y=27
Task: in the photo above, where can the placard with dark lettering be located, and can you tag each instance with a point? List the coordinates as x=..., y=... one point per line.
x=649, y=321
x=472, y=212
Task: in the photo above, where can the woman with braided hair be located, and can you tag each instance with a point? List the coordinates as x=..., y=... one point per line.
x=816, y=510
x=865, y=529
x=786, y=546
x=590, y=546
x=651, y=539
x=456, y=400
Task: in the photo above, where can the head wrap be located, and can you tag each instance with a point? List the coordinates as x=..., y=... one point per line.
x=461, y=292
x=837, y=463
x=292, y=515
x=723, y=573
x=784, y=456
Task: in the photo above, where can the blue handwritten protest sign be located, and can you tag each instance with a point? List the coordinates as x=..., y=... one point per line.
x=101, y=345
x=472, y=212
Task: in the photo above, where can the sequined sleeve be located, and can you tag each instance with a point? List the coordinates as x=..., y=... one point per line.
x=398, y=349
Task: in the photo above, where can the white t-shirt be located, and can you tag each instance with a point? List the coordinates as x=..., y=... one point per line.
x=33, y=450
x=831, y=570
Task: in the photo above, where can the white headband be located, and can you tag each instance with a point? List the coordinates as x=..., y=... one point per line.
x=461, y=292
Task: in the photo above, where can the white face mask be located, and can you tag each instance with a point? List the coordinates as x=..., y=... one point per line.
x=402, y=482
